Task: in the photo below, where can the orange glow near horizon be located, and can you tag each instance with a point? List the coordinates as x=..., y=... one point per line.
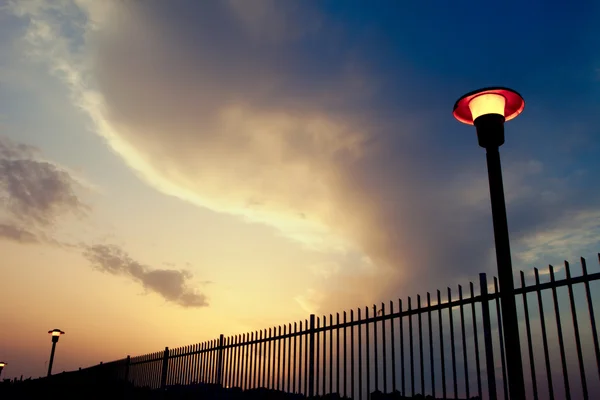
x=487, y=103
x=129, y=310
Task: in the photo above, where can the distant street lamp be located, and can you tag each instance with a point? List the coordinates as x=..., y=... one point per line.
x=55, y=336
x=2, y=365
x=488, y=109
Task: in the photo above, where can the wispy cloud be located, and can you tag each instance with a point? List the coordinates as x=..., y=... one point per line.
x=34, y=193
x=17, y=234
x=576, y=235
x=171, y=284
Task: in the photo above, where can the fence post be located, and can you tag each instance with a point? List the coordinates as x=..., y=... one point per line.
x=311, y=357
x=127, y=363
x=487, y=336
x=220, y=361
x=165, y=368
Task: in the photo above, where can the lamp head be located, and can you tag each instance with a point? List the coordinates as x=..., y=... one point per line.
x=488, y=109
x=55, y=334
x=2, y=364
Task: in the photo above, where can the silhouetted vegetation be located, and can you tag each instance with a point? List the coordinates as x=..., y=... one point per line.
x=62, y=388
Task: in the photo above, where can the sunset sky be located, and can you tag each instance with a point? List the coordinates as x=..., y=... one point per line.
x=173, y=170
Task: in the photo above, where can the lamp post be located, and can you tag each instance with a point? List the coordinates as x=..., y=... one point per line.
x=55, y=336
x=2, y=365
x=488, y=109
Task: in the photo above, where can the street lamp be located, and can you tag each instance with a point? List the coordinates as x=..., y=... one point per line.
x=2, y=365
x=488, y=109
x=55, y=336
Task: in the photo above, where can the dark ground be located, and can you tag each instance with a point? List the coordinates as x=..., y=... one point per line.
x=43, y=389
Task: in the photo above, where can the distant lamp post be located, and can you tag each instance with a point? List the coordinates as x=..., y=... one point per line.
x=55, y=336
x=488, y=109
x=2, y=365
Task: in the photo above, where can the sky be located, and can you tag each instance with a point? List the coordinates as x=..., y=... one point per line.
x=171, y=171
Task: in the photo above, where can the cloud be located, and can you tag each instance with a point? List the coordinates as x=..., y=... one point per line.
x=34, y=193
x=310, y=301
x=33, y=190
x=172, y=285
x=577, y=234
x=18, y=234
x=221, y=105
x=29, y=234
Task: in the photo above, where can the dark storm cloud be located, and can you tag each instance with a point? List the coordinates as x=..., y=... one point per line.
x=390, y=183
x=172, y=285
x=270, y=113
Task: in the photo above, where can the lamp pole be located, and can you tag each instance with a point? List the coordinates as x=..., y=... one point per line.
x=55, y=336
x=52, y=355
x=488, y=109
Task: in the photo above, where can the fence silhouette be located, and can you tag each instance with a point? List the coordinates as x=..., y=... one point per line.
x=446, y=348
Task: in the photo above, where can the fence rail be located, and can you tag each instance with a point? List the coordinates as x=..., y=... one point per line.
x=448, y=348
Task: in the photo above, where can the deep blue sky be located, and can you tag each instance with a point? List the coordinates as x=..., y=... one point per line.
x=548, y=51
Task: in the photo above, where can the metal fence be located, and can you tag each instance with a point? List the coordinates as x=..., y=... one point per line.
x=446, y=346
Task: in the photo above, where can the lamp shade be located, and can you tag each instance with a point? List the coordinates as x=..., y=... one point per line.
x=2, y=364
x=494, y=100
x=56, y=332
